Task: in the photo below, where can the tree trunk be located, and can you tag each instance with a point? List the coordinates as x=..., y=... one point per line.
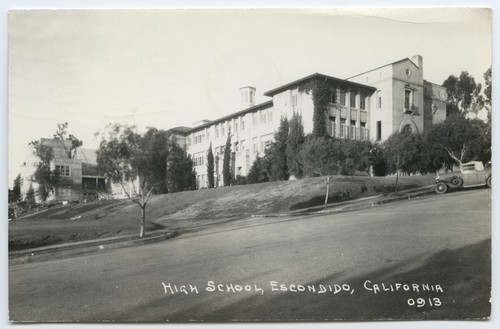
x=143, y=222
x=327, y=189
x=398, y=165
x=397, y=176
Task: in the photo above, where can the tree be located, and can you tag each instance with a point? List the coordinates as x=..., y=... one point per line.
x=487, y=87
x=295, y=142
x=180, y=172
x=322, y=156
x=402, y=153
x=257, y=173
x=46, y=178
x=16, y=189
x=460, y=140
x=226, y=163
x=30, y=195
x=463, y=94
x=61, y=133
x=356, y=155
x=276, y=154
x=127, y=157
x=160, y=147
x=210, y=167
x=376, y=158
x=321, y=97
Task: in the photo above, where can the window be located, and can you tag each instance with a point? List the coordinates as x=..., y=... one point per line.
x=236, y=125
x=263, y=117
x=379, y=130
x=331, y=126
x=242, y=123
x=362, y=101
x=223, y=129
x=343, y=127
x=63, y=170
x=379, y=100
x=255, y=119
x=264, y=144
x=199, y=159
x=407, y=129
x=216, y=132
x=352, y=129
x=242, y=145
x=352, y=101
x=363, y=131
x=342, y=98
x=270, y=115
x=408, y=99
x=254, y=146
x=333, y=96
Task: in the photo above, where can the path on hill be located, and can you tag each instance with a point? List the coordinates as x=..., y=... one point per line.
x=441, y=241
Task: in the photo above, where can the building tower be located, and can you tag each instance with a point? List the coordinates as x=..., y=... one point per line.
x=247, y=96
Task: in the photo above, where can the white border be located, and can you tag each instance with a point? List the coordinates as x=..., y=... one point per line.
x=5, y=5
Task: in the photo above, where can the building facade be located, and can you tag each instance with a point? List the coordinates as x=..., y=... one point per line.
x=368, y=106
x=78, y=175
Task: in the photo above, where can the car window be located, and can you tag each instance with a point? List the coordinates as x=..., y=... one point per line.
x=468, y=167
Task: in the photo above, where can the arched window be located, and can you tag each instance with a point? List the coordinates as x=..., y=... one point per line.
x=407, y=129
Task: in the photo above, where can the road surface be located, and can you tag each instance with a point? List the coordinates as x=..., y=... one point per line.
x=440, y=244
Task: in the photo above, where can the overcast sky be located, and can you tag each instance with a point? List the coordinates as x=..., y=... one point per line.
x=165, y=68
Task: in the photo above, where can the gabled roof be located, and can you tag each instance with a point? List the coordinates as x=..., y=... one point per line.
x=316, y=76
x=230, y=116
x=393, y=63
x=181, y=130
x=56, y=143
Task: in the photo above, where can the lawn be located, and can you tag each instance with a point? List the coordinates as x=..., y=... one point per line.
x=190, y=209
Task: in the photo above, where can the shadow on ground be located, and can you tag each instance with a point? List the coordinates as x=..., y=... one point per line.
x=464, y=275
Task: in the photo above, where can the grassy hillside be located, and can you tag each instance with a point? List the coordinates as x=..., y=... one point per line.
x=193, y=208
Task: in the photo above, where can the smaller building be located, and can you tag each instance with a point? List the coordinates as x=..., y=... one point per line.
x=79, y=177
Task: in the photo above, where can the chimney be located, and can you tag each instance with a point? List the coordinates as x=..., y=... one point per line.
x=417, y=59
x=247, y=96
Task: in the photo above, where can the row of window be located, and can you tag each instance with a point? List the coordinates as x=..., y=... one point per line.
x=265, y=142
x=199, y=159
x=408, y=99
x=258, y=118
x=262, y=117
x=354, y=100
x=347, y=131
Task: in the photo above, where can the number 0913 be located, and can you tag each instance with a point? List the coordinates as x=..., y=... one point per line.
x=421, y=302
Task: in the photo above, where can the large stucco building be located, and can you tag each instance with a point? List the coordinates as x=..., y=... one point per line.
x=367, y=106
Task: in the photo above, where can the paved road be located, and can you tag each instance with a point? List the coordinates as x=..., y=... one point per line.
x=419, y=241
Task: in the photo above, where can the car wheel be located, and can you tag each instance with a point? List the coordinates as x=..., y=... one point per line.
x=457, y=181
x=488, y=181
x=441, y=188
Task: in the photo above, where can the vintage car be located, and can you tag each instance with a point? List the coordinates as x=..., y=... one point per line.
x=471, y=174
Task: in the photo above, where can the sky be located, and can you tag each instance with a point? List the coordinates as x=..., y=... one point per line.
x=165, y=68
